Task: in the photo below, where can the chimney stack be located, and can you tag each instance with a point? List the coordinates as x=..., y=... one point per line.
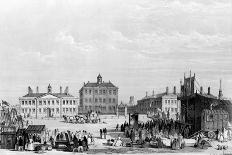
x=166, y=90
x=153, y=93
x=37, y=89
x=220, y=90
x=61, y=90
x=146, y=93
x=201, y=90
x=66, y=91
x=174, y=90
x=208, y=90
x=30, y=91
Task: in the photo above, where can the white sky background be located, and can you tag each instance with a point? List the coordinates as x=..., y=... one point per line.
x=138, y=45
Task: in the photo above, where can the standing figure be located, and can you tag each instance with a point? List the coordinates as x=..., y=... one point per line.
x=101, y=133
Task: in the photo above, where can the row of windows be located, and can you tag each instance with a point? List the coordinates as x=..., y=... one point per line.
x=170, y=101
x=100, y=107
x=29, y=102
x=100, y=100
x=100, y=92
x=171, y=109
x=49, y=102
x=44, y=110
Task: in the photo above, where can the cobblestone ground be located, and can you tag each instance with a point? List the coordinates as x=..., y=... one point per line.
x=110, y=122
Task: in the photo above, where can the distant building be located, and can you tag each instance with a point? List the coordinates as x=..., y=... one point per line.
x=100, y=96
x=166, y=102
x=48, y=104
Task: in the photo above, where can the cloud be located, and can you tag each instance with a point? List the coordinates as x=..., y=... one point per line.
x=137, y=44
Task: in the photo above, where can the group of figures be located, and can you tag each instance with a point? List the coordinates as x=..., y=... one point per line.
x=103, y=132
x=80, y=139
x=155, y=131
x=92, y=117
x=26, y=141
x=163, y=128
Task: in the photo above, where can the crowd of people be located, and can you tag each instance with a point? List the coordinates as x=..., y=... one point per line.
x=81, y=139
x=155, y=130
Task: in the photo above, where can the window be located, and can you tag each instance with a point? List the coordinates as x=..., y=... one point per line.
x=175, y=101
x=100, y=100
x=48, y=102
x=57, y=101
x=66, y=102
x=33, y=102
x=110, y=92
x=86, y=100
x=70, y=109
x=70, y=102
x=25, y=102
x=172, y=109
x=104, y=91
x=109, y=100
x=53, y=102
x=90, y=100
x=22, y=102
x=57, y=110
x=40, y=102
x=52, y=109
x=29, y=102
x=74, y=109
x=172, y=101
x=66, y=109
x=90, y=92
x=74, y=102
x=25, y=110
x=114, y=92
x=63, y=110
x=63, y=102
x=44, y=110
x=22, y=110
x=33, y=110
x=86, y=92
x=100, y=92
x=104, y=100
x=44, y=102
x=113, y=100
x=95, y=100
x=39, y=110
x=96, y=92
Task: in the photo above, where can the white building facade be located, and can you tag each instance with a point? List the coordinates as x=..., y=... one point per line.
x=48, y=104
x=166, y=102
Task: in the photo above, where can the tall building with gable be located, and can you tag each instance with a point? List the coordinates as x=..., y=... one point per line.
x=99, y=96
x=48, y=104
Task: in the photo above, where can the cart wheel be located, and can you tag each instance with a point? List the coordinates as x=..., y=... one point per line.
x=211, y=135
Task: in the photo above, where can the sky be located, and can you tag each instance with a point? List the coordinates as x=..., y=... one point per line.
x=139, y=45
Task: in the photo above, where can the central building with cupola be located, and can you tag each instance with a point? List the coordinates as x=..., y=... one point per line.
x=48, y=104
x=100, y=97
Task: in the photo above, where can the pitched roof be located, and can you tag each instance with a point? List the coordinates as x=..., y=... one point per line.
x=42, y=94
x=35, y=128
x=104, y=84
